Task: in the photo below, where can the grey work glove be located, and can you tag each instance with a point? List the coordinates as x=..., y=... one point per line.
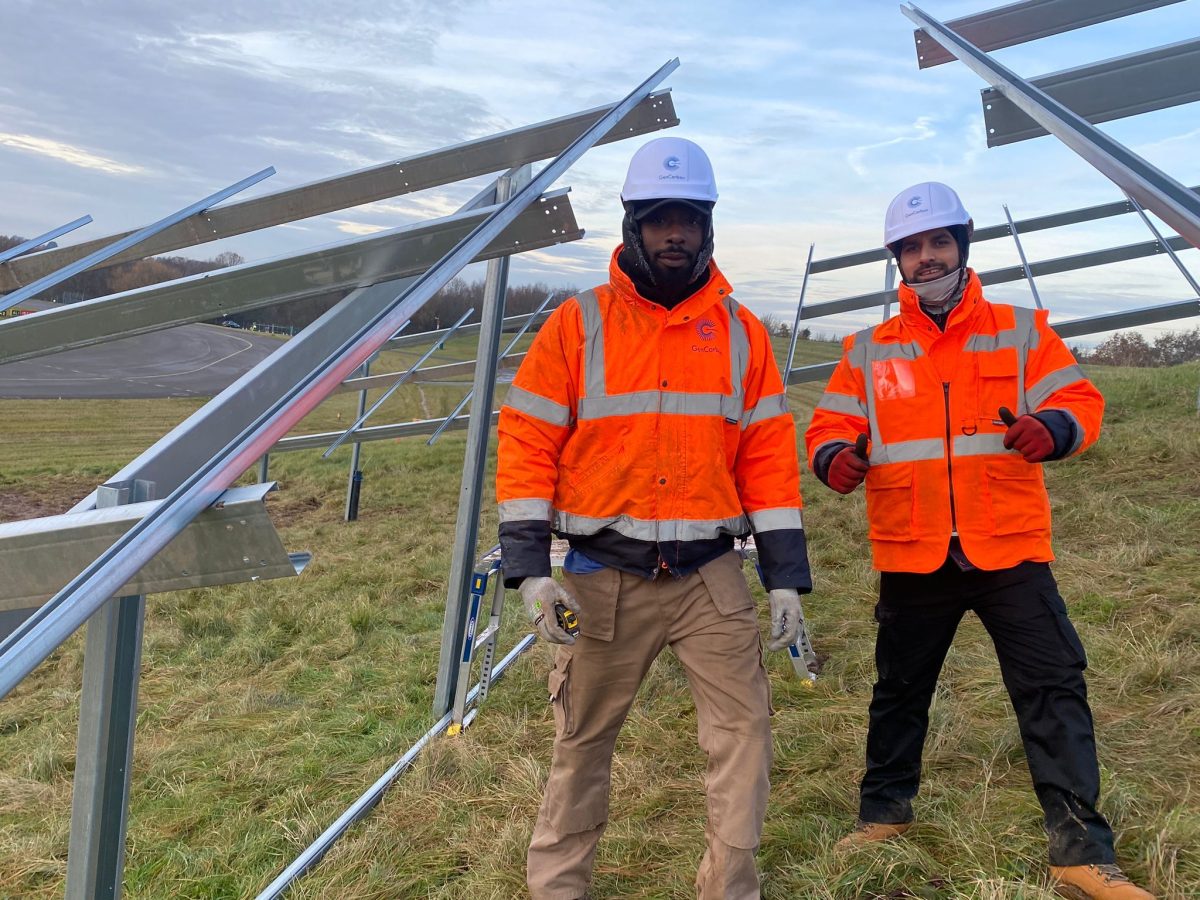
x=785, y=617
x=540, y=595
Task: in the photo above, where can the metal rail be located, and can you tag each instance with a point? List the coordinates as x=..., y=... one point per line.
x=34, y=243
x=1113, y=89
x=1026, y=21
x=314, y=853
x=330, y=270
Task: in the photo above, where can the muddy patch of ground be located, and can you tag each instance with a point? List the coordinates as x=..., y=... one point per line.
x=49, y=498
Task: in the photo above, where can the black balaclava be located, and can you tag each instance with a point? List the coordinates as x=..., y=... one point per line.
x=633, y=260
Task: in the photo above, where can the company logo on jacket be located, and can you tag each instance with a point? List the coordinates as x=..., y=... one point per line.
x=707, y=329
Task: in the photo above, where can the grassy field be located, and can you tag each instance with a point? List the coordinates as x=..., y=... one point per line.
x=267, y=708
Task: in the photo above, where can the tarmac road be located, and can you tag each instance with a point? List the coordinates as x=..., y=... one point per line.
x=186, y=361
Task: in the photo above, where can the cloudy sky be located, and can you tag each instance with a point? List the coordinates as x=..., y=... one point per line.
x=814, y=114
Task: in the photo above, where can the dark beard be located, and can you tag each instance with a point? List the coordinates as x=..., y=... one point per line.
x=673, y=280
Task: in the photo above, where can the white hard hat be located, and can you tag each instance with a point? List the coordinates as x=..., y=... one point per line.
x=669, y=168
x=921, y=207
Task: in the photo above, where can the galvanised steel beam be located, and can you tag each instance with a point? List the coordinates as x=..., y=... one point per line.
x=1012, y=273
x=1016, y=23
x=991, y=232
x=230, y=542
x=59, y=618
x=1151, y=187
x=1132, y=318
x=1100, y=92
x=111, y=250
x=340, y=267
x=471, y=490
x=470, y=159
x=34, y=243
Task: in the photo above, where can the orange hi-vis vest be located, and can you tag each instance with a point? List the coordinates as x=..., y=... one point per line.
x=663, y=425
x=929, y=402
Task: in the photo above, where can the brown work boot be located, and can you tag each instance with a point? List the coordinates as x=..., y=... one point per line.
x=1104, y=882
x=869, y=833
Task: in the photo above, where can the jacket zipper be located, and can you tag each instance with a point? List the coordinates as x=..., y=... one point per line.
x=950, y=458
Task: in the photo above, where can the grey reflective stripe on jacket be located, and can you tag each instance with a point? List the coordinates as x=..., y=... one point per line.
x=528, y=510
x=775, y=519
x=537, y=406
x=597, y=403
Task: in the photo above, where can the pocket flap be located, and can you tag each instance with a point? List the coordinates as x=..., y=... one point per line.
x=597, y=595
x=890, y=475
x=1000, y=363
x=726, y=583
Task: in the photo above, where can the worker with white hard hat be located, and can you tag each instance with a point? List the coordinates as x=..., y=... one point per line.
x=648, y=426
x=948, y=411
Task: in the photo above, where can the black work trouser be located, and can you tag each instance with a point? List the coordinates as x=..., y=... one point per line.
x=1042, y=663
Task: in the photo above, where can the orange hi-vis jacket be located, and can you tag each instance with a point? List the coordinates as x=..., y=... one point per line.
x=667, y=426
x=929, y=402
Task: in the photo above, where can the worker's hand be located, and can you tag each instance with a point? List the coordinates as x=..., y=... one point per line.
x=785, y=617
x=849, y=467
x=539, y=596
x=1027, y=435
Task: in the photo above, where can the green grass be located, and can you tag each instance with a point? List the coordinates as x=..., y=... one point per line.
x=265, y=709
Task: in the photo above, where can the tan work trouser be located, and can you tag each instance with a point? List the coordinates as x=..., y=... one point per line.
x=708, y=619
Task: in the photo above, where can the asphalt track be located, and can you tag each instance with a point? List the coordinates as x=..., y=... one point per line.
x=186, y=361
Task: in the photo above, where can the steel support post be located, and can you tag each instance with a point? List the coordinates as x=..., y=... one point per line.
x=791, y=357
x=104, y=752
x=353, y=489
x=466, y=528
x=1175, y=204
x=1187, y=276
x=264, y=468
x=1037, y=298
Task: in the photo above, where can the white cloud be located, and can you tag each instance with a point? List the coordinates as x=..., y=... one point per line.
x=68, y=153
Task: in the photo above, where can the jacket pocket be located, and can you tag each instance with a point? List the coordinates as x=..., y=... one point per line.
x=726, y=583
x=999, y=383
x=1016, y=497
x=598, y=595
x=890, y=499
x=559, y=684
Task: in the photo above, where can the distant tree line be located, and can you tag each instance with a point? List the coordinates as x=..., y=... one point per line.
x=126, y=276
x=1129, y=348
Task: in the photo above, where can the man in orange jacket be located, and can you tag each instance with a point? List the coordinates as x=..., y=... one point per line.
x=648, y=425
x=962, y=400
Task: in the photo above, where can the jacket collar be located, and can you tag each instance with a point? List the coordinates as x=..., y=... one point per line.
x=714, y=291
x=913, y=316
